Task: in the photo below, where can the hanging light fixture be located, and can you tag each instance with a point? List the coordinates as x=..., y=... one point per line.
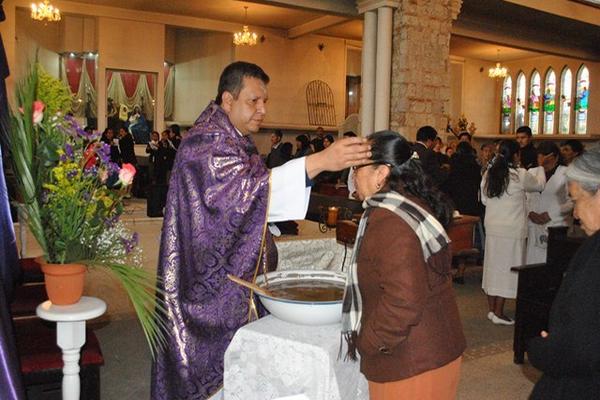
x=498, y=71
x=245, y=37
x=45, y=11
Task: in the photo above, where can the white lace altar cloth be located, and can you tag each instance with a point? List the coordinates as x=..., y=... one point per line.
x=311, y=249
x=313, y=254
x=271, y=359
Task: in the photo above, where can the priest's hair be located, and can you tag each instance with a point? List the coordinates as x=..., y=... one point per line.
x=232, y=78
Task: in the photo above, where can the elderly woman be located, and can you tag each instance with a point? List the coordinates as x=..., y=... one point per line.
x=400, y=311
x=569, y=353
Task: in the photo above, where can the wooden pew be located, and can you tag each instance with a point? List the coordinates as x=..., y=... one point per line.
x=460, y=233
x=537, y=288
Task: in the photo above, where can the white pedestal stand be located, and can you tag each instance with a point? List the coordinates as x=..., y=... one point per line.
x=70, y=336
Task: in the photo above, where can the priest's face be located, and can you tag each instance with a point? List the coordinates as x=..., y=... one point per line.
x=248, y=110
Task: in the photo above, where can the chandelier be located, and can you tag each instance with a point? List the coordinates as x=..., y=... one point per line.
x=45, y=11
x=245, y=37
x=498, y=71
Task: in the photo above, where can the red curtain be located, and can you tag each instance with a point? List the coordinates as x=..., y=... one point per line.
x=90, y=65
x=130, y=80
x=73, y=72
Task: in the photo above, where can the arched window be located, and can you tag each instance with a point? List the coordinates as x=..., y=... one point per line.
x=520, y=100
x=581, y=103
x=534, y=103
x=506, y=104
x=566, y=97
x=549, y=101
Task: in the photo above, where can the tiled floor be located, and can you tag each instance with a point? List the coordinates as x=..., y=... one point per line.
x=487, y=372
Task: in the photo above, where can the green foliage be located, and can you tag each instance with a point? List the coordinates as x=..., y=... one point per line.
x=62, y=175
x=53, y=93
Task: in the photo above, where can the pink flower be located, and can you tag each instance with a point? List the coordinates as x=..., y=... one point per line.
x=38, y=111
x=126, y=174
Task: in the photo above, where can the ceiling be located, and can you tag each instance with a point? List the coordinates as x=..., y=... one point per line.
x=471, y=48
x=500, y=24
x=223, y=10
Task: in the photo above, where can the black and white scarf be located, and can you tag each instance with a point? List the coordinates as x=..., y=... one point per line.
x=428, y=229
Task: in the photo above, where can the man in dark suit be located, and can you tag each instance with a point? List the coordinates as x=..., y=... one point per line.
x=429, y=161
x=276, y=157
x=528, y=151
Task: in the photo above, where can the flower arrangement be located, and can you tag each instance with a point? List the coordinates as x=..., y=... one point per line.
x=463, y=123
x=71, y=194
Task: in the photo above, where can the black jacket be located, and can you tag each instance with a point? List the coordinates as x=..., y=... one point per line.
x=570, y=356
x=463, y=183
x=276, y=157
x=127, y=147
x=430, y=163
x=528, y=156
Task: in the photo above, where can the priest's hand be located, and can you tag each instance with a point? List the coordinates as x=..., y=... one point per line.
x=342, y=154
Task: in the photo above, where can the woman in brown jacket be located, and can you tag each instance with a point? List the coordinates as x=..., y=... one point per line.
x=400, y=311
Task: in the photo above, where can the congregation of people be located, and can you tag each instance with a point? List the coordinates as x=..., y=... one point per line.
x=400, y=312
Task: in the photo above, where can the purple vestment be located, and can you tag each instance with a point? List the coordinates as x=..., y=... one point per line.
x=214, y=224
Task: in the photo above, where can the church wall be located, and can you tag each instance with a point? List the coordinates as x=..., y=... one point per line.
x=130, y=45
x=291, y=65
x=33, y=36
x=480, y=98
x=199, y=59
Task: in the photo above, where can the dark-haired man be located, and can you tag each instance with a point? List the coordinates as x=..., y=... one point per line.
x=276, y=157
x=426, y=136
x=570, y=149
x=221, y=196
x=528, y=152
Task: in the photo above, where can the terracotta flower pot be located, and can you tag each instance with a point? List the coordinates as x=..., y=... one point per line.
x=64, y=282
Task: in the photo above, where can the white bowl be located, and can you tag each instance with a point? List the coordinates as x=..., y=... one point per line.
x=303, y=312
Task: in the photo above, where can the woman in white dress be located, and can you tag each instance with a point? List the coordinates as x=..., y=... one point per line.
x=552, y=207
x=503, y=189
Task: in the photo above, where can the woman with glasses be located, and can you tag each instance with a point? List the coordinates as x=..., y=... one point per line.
x=400, y=311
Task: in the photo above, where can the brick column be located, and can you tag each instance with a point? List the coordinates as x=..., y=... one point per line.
x=420, y=92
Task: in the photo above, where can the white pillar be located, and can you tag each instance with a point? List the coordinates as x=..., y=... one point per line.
x=384, y=68
x=367, y=109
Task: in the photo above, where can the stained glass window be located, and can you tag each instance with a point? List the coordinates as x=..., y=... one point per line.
x=506, y=104
x=534, y=103
x=566, y=96
x=549, y=101
x=581, y=103
x=520, y=100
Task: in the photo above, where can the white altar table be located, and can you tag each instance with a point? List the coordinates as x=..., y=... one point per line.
x=272, y=359
x=311, y=249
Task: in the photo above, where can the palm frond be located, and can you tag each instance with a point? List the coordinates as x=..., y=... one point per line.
x=143, y=293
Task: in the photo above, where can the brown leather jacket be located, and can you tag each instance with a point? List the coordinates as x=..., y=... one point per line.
x=410, y=322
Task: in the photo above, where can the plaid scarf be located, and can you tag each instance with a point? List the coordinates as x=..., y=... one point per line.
x=428, y=229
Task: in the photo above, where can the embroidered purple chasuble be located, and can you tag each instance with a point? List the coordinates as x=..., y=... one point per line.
x=214, y=223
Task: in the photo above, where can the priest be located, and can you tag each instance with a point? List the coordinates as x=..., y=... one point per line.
x=221, y=197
